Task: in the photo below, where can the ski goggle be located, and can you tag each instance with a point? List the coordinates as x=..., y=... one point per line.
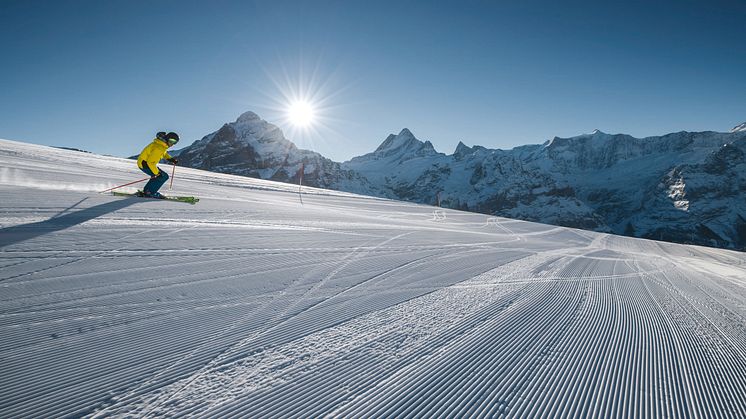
x=172, y=141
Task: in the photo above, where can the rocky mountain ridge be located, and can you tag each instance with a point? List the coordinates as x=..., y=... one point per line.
x=685, y=187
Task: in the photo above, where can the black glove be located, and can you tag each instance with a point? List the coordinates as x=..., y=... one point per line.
x=173, y=160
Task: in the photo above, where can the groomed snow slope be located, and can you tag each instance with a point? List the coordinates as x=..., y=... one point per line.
x=251, y=304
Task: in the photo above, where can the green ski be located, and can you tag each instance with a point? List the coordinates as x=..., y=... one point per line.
x=187, y=199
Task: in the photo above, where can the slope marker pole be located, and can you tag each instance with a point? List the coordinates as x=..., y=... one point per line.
x=300, y=182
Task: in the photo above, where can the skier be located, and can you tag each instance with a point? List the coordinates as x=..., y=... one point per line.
x=151, y=156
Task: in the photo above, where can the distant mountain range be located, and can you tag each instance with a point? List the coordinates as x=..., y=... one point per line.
x=686, y=187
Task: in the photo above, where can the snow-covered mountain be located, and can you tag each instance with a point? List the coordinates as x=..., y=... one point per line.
x=738, y=128
x=687, y=187
x=252, y=147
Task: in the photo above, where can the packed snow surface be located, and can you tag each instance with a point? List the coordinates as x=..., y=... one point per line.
x=255, y=304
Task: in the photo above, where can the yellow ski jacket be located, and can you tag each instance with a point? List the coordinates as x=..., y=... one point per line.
x=152, y=154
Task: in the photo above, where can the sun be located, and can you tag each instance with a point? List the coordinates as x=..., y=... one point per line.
x=305, y=104
x=300, y=113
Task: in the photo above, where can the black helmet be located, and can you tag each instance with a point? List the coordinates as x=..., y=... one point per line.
x=161, y=136
x=172, y=138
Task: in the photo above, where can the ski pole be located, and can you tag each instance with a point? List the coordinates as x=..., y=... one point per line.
x=126, y=184
x=300, y=181
x=300, y=176
x=173, y=171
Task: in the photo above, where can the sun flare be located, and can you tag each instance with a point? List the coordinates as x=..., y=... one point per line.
x=304, y=103
x=301, y=113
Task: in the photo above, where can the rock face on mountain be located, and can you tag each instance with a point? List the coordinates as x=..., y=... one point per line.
x=683, y=187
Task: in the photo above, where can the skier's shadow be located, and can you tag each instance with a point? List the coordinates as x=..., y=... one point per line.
x=23, y=232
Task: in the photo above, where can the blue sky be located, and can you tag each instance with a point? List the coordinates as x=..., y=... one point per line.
x=106, y=75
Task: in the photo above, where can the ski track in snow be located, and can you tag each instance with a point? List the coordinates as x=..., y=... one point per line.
x=251, y=304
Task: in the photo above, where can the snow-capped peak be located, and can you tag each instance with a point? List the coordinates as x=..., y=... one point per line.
x=406, y=133
x=462, y=149
x=739, y=128
x=250, y=125
x=395, y=141
x=248, y=117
